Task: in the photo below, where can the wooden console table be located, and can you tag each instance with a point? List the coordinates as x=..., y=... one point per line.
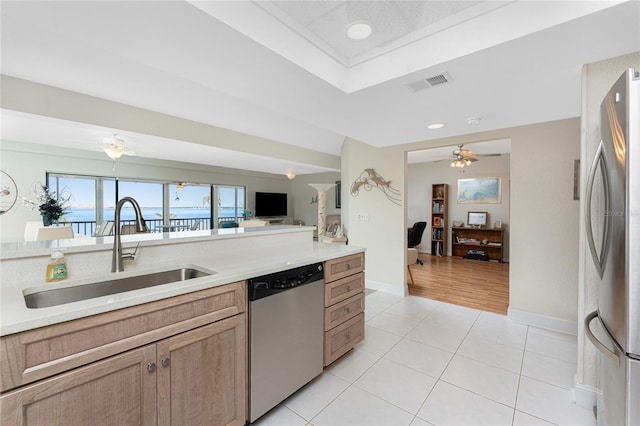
x=465, y=239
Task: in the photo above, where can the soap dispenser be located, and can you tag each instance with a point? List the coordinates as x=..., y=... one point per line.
x=57, y=267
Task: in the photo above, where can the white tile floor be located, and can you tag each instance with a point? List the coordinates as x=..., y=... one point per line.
x=429, y=363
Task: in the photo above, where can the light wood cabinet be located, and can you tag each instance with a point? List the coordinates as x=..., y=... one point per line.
x=344, y=306
x=116, y=391
x=201, y=375
x=196, y=374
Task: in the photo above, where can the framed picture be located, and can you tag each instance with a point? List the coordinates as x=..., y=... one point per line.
x=479, y=191
x=497, y=224
x=437, y=221
x=338, y=192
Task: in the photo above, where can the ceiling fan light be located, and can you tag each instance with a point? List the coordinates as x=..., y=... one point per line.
x=467, y=162
x=113, y=152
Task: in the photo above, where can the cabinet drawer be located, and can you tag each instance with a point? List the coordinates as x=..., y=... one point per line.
x=335, y=269
x=343, y=338
x=343, y=289
x=342, y=311
x=36, y=354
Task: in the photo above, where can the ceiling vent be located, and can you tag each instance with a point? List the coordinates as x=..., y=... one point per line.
x=434, y=80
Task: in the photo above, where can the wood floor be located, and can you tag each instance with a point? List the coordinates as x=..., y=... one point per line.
x=472, y=283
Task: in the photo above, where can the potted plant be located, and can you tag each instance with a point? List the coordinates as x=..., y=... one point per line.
x=50, y=206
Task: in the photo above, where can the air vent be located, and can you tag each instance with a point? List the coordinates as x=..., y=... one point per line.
x=437, y=79
x=428, y=82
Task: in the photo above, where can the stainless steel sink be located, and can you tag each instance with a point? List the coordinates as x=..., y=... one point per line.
x=60, y=296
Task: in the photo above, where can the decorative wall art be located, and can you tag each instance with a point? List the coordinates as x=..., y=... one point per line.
x=479, y=191
x=369, y=179
x=8, y=192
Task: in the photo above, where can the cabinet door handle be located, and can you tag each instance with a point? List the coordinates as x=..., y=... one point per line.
x=165, y=361
x=151, y=367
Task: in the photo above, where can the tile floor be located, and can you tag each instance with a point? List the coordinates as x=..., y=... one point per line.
x=430, y=363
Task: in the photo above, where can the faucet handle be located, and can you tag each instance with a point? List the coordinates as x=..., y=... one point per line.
x=131, y=255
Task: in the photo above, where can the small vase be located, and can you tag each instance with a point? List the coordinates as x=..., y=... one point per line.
x=47, y=220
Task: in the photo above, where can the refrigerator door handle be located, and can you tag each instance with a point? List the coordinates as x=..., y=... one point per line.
x=613, y=355
x=599, y=160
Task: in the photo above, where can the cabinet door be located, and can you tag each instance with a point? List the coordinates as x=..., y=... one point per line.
x=117, y=391
x=202, y=375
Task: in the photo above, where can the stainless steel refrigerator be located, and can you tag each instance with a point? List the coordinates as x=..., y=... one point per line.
x=613, y=233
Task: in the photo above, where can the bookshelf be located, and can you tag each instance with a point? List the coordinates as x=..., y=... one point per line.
x=464, y=240
x=439, y=219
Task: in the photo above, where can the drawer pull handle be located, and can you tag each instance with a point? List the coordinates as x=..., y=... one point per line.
x=347, y=310
x=348, y=288
x=348, y=266
x=348, y=336
x=165, y=361
x=151, y=367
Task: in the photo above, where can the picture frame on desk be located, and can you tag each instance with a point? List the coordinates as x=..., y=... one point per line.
x=497, y=224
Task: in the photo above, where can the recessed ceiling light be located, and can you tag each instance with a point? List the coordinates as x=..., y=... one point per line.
x=435, y=126
x=359, y=30
x=471, y=121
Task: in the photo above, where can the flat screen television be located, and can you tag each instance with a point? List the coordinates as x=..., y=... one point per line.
x=271, y=204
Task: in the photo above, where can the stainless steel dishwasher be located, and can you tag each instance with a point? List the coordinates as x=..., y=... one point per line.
x=285, y=334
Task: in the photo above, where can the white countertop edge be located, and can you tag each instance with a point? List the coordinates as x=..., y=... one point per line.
x=16, y=317
x=26, y=249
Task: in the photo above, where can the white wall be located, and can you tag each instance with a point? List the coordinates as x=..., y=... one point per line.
x=302, y=194
x=597, y=79
x=422, y=175
x=383, y=234
x=544, y=221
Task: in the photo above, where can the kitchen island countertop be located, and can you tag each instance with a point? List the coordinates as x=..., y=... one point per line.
x=233, y=256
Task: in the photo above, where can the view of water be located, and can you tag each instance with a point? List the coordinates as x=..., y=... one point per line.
x=127, y=213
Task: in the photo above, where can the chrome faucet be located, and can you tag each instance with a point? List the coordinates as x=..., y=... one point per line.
x=117, y=264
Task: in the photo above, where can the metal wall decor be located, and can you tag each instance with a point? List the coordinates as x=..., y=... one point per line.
x=369, y=179
x=8, y=192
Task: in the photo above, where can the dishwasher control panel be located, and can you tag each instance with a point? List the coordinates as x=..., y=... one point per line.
x=268, y=285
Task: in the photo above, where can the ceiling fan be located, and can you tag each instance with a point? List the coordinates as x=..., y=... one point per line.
x=462, y=157
x=115, y=147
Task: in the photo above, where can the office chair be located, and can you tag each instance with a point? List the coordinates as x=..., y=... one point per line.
x=415, y=236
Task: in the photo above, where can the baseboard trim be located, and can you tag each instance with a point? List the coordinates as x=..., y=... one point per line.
x=543, y=321
x=584, y=396
x=387, y=288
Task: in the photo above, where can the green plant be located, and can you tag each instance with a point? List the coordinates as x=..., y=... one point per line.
x=47, y=202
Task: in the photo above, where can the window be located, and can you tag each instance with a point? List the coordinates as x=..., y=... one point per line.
x=190, y=205
x=231, y=203
x=166, y=206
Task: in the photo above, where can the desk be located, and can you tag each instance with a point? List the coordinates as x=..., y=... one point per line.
x=173, y=228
